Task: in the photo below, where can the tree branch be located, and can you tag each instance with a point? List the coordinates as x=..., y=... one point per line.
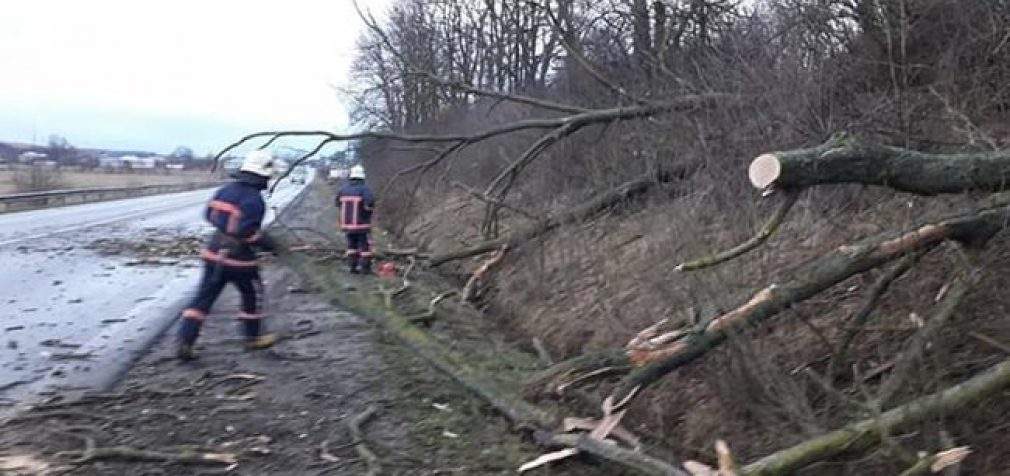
x=572, y=51
x=762, y=235
x=579, y=212
x=459, y=85
x=682, y=103
x=811, y=279
x=866, y=433
x=859, y=319
x=956, y=291
x=511, y=97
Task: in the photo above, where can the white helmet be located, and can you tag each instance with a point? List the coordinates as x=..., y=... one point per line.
x=259, y=162
x=357, y=172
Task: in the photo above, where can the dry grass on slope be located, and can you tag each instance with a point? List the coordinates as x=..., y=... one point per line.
x=594, y=285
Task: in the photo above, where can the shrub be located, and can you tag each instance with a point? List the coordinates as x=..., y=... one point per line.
x=38, y=178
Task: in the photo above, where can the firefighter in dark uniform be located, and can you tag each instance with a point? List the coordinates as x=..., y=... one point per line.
x=236, y=212
x=357, y=203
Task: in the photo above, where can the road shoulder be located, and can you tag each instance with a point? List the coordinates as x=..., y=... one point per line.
x=281, y=411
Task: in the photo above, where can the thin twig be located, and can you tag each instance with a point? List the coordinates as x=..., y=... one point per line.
x=354, y=426
x=860, y=317
x=762, y=235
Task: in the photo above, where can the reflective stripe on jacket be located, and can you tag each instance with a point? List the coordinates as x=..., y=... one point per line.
x=236, y=212
x=356, y=203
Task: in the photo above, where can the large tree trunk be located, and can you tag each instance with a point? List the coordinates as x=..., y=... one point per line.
x=816, y=276
x=848, y=160
x=625, y=191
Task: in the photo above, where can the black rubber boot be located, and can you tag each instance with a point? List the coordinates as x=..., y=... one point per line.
x=185, y=352
x=188, y=332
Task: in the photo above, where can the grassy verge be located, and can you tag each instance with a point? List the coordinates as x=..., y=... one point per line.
x=78, y=179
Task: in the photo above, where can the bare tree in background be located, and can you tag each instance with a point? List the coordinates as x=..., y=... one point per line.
x=60, y=151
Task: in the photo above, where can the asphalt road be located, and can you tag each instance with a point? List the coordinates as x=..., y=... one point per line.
x=72, y=318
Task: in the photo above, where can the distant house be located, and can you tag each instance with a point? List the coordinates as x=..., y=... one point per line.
x=130, y=162
x=135, y=162
x=110, y=162
x=30, y=157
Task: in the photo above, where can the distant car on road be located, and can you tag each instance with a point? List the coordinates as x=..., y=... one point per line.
x=337, y=174
x=298, y=175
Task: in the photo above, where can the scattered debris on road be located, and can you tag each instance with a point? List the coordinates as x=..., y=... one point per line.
x=150, y=247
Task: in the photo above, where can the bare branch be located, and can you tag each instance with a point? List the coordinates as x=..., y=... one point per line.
x=579, y=212
x=571, y=123
x=298, y=162
x=958, y=287
x=762, y=235
x=516, y=98
x=866, y=433
x=814, y=277
x=424, y=166
x=859, y=319
x=460, y=85
x=493, y=201
x=577, y=55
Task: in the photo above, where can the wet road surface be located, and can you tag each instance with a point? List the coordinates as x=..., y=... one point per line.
x=72, y=317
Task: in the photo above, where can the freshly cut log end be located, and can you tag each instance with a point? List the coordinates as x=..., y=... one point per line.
x=764, y=170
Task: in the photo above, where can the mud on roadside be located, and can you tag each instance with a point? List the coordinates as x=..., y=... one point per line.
x=281, y=411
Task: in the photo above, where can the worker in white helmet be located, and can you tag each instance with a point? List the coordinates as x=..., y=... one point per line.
x=236, y=212
x=357, y=203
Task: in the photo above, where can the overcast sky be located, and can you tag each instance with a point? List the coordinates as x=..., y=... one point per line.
x=152, y=75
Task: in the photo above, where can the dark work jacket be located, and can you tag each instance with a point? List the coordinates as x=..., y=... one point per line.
x=356, y=203
x=236, y=212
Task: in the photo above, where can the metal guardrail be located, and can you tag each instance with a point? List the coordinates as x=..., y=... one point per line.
x=55, y=198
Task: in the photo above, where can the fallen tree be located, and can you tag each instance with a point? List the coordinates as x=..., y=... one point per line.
x=557, y=128
x=583, y=211
x=851, y=439
x=846, y=159
x=656, y=355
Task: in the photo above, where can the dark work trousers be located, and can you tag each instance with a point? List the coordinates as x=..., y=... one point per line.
x=215, y=278
x=359, y=250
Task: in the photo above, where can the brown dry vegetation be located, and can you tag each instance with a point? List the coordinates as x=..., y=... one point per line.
x=927, y=75
x=46, y=178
